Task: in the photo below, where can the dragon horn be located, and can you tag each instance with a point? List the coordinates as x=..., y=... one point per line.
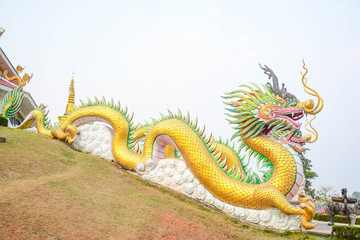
x=272, y=75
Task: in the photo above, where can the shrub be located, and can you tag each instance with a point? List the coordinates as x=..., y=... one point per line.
x=337, y=218
x=321, y=217
x=345, y=232
x=3, y=122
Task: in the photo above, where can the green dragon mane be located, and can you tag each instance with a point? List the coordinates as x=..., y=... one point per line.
x=12, y=102
x=244, y=107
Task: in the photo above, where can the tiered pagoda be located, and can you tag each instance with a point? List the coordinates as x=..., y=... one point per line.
x=71, y=101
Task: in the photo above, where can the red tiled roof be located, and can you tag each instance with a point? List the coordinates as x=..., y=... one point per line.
x=7, y=83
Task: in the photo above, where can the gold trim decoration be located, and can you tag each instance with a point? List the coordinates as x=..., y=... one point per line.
x=312, y=130
x=20, y=81
x=309, y=105
x=19, y=69
x=2, y=30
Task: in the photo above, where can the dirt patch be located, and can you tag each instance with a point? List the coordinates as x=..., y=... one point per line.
x=176, y=228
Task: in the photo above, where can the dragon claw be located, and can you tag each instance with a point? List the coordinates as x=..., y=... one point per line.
x=65, y=133
x=308, y=207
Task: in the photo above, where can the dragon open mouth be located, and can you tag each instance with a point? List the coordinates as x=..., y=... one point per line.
x=285, y=126
x=297, y=141
x=291, y=116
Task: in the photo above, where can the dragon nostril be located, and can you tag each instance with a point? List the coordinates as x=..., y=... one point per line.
x=306, y=137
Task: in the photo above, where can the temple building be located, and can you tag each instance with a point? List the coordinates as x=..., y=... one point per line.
x=9, y=80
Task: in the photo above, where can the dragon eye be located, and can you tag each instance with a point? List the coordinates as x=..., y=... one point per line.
x=281, y=100
x=293, y=104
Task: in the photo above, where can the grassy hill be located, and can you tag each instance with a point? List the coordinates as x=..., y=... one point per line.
x=50, y=191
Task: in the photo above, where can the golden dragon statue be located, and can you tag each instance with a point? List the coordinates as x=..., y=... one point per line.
x=20, y=81
x=266, y=123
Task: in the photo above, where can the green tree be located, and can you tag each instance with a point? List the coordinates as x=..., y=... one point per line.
x=324, y=194
x=356, y=195
x=309, y=175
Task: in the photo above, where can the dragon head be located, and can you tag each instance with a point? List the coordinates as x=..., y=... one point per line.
x=271, y=112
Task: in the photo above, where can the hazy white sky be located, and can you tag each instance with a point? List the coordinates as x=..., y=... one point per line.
x=159, y=55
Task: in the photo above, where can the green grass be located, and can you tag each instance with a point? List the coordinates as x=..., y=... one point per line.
x=50, y=191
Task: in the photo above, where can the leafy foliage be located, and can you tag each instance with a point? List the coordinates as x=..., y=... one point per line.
x=356, y=195
x=345, y=232
x=3, y=122
x=337, y=218
x=324, y=194
x=309, y=175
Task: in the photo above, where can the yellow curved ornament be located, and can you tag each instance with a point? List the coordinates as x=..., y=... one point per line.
x=309, y=108
x=320, y=102
x=7, y=106
x=2, y=30
x=19, y=69
x=312, y=130
x=21, y=81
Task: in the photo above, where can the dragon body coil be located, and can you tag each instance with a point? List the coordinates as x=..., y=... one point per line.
x=265, y=124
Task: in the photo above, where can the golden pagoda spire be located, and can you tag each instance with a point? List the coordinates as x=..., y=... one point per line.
x=72, y=91
x=71, y=101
